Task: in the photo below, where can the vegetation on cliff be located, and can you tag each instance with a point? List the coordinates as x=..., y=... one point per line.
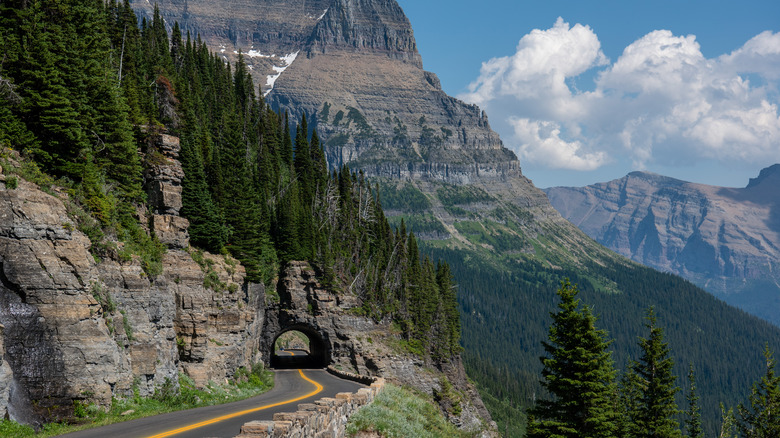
x=83, y=86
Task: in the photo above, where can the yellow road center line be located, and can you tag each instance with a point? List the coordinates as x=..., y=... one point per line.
x=238, y=414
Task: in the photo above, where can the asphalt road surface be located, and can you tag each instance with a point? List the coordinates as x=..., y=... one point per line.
x=291, y=388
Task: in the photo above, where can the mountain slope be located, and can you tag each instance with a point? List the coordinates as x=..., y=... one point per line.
x=442, y=170
x=726, y=240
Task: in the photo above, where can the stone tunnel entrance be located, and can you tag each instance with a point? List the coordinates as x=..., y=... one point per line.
x=299, y=346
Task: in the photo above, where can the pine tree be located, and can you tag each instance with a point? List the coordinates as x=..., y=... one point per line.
x=449, y=300
x=762, y=418
x=629, y=393
x=693, y=415
x=657, y=407
x=578, y=373
x=728, y=427
x=206, y=224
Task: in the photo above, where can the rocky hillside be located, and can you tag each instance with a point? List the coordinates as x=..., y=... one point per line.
x=78, y=328
x=354, y=68
x=726, y=240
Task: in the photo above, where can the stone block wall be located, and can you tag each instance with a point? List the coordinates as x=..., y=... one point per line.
x=325, y=418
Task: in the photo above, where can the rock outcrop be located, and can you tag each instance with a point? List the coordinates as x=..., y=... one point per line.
x=78, y=328
x=358, y=344
x=726, y=240
x=353, y=68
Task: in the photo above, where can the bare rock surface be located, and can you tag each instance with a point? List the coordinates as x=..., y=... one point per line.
x=726, y=240
x=78, y=328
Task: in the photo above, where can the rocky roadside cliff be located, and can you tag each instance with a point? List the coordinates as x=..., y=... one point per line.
x=78, y=328
x=726, y=240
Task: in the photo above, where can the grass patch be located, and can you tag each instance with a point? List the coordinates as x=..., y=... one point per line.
x=419, y=223
x=397, y=412
x=450, y=195
x=246, y=383
x=406, y=198
x=493, y=234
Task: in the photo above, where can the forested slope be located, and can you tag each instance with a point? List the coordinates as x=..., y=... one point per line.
x=505, y=317
x=83, y=91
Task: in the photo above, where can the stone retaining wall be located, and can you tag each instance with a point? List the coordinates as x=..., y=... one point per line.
x=365, y=380
x=325, y=418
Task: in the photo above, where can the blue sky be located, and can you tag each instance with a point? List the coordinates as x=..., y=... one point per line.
x=587, y=91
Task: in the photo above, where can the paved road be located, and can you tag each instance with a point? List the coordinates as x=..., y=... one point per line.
x=292, y=387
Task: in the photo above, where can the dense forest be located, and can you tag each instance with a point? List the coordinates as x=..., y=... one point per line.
x=512, y=311
x=84, y=87
x=585, y=398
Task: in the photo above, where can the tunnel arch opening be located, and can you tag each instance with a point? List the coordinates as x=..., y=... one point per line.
x=299, y=346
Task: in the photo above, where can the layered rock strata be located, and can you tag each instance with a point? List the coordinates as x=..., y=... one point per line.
x=726, y=240
x=79, y=328
x=354, y=68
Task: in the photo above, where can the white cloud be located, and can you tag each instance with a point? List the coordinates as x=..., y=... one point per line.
x=541, y=142
x=660, y=102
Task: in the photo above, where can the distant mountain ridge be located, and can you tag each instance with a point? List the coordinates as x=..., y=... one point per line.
x=726, y=240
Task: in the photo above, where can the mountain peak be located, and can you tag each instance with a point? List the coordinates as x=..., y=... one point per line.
x=769, y=175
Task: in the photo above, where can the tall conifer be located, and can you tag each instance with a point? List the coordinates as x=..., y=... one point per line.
x=761, y=419
x=578, y=373
x=657, y=409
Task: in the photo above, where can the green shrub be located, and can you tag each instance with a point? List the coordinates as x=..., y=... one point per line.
x=397, y=412
x=13, y=429
x=11, y=182
x=407, y=198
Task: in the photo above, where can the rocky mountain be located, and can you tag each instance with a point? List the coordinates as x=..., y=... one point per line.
x=353, y=68
x=77, y=328
x=726, y=240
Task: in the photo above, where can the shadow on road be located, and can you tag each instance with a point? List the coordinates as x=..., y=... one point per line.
x=295, y=359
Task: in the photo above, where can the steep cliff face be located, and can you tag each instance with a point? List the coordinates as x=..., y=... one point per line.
x=77, y=328
x=726, y=240
x=80, y=329
x=352, y=66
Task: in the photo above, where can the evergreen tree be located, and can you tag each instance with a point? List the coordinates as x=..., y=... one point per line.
x=578, y=373
x=762, y=418
x=693, y=415
x=657, y=408
x=628, y=402
x=206, y=224
x=728, y=428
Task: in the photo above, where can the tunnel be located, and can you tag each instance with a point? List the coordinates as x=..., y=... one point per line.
x=314, y=355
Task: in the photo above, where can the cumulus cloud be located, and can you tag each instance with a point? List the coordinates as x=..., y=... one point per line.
x=660, y=102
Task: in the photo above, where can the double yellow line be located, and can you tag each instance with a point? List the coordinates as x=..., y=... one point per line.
x=238, y=414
